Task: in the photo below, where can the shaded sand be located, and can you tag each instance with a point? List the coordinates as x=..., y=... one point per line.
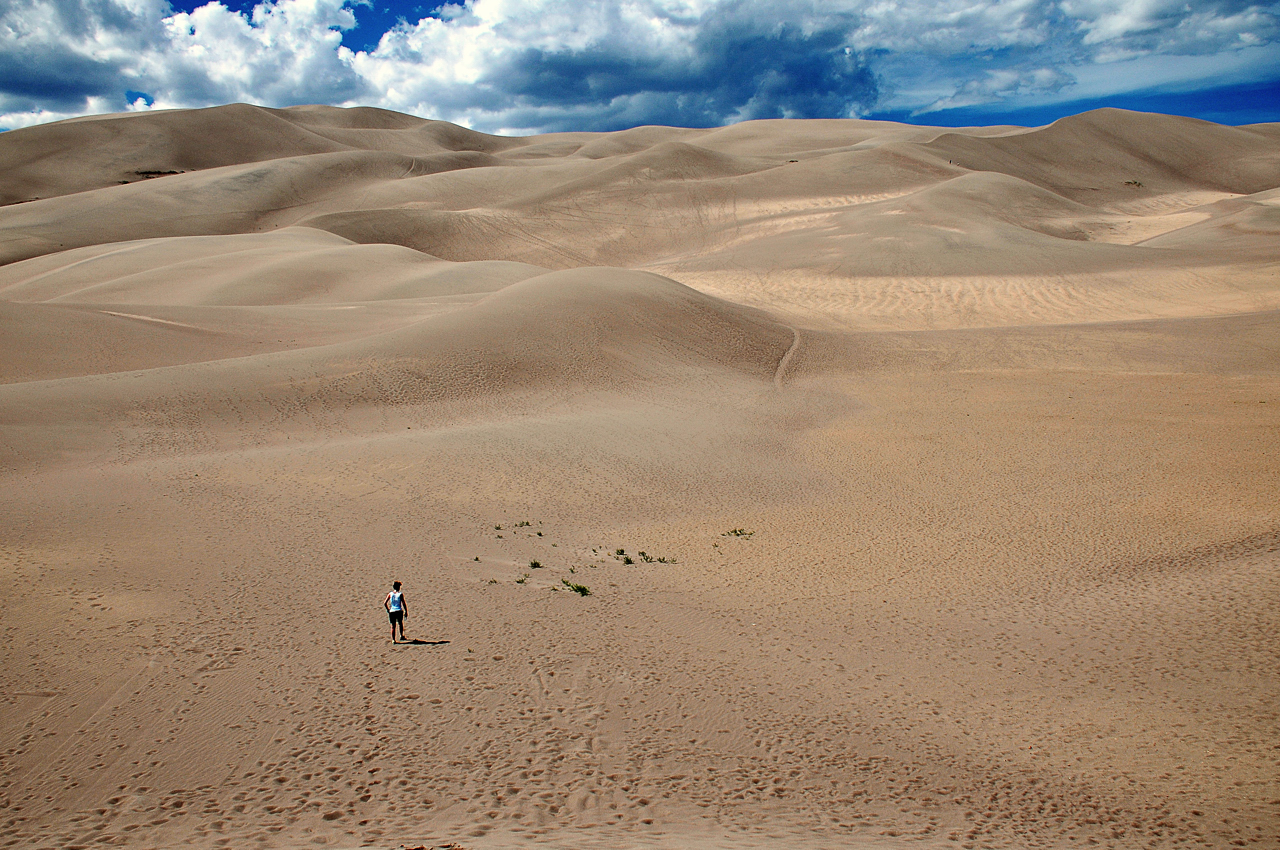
x=924, y=482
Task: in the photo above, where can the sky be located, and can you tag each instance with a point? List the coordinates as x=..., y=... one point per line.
x=530, y=66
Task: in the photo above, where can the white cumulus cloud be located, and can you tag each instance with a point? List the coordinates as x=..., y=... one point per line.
x=525, y=65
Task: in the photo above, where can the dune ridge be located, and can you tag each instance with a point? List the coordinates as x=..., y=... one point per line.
x=802, y=484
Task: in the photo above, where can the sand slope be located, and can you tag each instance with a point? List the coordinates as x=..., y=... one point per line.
x=923, y=480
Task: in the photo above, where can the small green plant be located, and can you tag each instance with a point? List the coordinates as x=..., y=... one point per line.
x=539, y=533
x=665, y=560
x=493, y=581
x=535, y=565
x=476, y=558
x=620, y=552
x=645, y=556
x=497, y=528
x=580, y=589
x=1133, y=183
x=738, y=532
x=523, y=524
x=626, y=559
x=522, y=579
x=573, y=570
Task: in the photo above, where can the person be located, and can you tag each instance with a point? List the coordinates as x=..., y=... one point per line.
x=397, y=609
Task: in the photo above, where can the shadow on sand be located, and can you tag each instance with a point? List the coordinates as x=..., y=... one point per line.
x=418, y=642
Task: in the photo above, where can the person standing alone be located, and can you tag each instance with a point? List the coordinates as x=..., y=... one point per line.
x=397, y=609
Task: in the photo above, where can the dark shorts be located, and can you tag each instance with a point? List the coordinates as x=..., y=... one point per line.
x=397, y=618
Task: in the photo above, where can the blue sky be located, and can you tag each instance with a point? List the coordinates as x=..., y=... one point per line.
x=523, y=66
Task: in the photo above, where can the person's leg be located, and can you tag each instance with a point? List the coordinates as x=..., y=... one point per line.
x=393, y=628
x=402, y=627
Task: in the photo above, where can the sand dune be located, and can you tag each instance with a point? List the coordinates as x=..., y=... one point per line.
x=923, y=481
x=1242, y=226
x=1121, y=151
x=287, y=266
x=109, y=150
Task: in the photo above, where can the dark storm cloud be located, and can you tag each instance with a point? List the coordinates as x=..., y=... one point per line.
x=69, y=55
x=735, y=72
x=54, y=79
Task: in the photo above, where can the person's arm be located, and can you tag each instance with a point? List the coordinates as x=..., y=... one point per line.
x=386, y=603
x=404, y=607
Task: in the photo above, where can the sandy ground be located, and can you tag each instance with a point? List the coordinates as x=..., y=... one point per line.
x=924, y=482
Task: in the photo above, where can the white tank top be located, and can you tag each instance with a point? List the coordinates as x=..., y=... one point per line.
x=396, y=601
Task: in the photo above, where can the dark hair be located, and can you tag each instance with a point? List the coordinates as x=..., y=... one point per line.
x=396, y=585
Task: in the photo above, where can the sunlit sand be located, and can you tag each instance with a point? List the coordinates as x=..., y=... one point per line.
x=923, y=484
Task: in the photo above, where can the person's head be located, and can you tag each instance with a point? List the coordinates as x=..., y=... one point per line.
x=395, y=585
